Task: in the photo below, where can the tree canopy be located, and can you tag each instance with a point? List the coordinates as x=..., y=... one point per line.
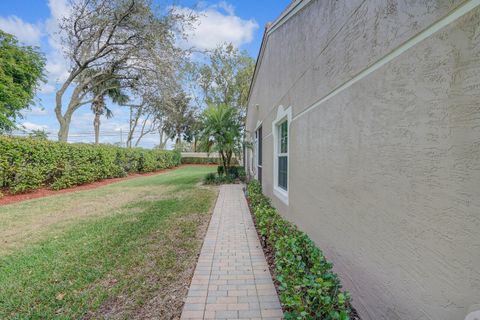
x=222, y=130
x=226, y=78
x=21, y=73
x=123, y=40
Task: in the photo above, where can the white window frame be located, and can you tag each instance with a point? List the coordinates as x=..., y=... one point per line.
x=282, y=115
x=250, y=162
x=255, y=158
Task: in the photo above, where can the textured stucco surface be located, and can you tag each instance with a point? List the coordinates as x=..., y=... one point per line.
x=385, y=175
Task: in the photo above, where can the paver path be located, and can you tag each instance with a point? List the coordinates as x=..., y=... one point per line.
x=232, y=279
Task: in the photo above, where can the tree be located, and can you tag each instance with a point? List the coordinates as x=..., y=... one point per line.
x=21, y=72
x=109, y=88
x=180, y=116
x=100, y=108
x=147, y=112
x=38, y=134
x=226, y=78
x=222, y=130
x=116, y=39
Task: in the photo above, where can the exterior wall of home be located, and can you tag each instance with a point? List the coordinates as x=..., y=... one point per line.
x=384, y=165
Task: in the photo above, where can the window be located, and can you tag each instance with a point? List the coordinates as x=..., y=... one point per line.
x=258, y=147
x=283, y=155
x=281, y=133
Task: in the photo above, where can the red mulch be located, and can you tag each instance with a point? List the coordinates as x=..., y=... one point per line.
x=44, y=192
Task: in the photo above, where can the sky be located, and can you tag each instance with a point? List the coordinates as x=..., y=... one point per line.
x=34, y=22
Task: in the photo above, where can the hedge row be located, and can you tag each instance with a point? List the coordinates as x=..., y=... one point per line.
x=27, y=164
x=196, y=160
x=309, y=289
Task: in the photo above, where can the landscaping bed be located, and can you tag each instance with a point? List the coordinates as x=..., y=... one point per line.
x=234, y=174
x=9, y=198
x=306, y=284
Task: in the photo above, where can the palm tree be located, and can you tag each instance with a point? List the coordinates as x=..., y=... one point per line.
x=105, y=86
x=112, y=89
x=222, y=130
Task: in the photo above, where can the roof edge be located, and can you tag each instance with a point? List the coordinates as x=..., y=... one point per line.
x=293, y=8
x=290, y=11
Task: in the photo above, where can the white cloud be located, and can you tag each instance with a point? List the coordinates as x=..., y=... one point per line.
x=218, y=24
x=57, y=67
x=47, y=88
x=229, y=8
x=59, y=9
x=33, y=126
x=36, y=111
x=25, y=32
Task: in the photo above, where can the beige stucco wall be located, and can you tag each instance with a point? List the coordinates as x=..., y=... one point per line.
x=385, y=174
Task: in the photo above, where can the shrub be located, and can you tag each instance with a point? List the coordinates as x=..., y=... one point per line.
x=235, y=172
x=308, y=287
x=27, y=164
x=213, y=178
x=195, y=160
x=210, y=178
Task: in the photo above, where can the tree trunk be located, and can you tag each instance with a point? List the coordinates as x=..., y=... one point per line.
x=97, y=107
x=224, y=162
x=64, y=126
x=163, y=139
x=64, y=120
x=96, y=126
x=160, y=133
x=179, y=139
x=63, y=131
x=133, y=123
x=228, y=160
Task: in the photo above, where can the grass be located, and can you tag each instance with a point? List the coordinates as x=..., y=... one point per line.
x=129, y=258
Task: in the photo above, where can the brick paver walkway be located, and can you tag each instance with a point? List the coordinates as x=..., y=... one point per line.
x=232, y=279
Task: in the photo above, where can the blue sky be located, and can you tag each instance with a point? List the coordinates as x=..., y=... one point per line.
x=34, y=22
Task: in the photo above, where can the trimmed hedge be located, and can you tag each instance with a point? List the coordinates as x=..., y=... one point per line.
x=28, y=164
x=308, y=287
x=195, y=160
x=199, y=160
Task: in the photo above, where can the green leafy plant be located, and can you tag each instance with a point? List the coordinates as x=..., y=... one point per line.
x=235, y=175
x=222, y=130
x=236, y=172
x=27, y=164
x=210, y=178
x=21, y=73
x=195, y=160
x=309, y=289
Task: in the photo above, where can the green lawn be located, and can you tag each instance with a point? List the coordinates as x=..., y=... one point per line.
x=122, y=251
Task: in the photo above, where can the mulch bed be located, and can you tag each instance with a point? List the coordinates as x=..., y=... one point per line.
x=269, y=253
x=45, y=192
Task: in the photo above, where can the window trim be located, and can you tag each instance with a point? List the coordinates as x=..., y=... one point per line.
x=282, y=115
x=281, y=154
x=256, y=150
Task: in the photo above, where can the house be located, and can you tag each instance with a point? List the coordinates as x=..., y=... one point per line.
x=365, y=123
